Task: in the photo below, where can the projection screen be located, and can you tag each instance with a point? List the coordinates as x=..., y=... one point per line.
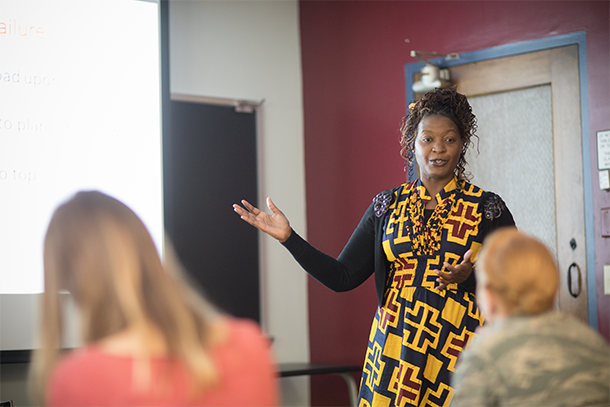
x=80, y=109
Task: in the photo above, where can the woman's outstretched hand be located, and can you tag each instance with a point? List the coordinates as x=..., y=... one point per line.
x=457, y=274
x=276, y=225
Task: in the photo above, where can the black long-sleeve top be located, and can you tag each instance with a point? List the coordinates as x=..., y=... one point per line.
x=363, y=254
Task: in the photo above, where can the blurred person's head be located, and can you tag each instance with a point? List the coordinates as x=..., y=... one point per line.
x=98, y=250
x=516, y=275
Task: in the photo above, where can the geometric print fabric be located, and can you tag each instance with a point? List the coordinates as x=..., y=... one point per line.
x=418, y=332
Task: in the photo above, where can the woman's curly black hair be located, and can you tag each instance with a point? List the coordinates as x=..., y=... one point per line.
x=445, y=102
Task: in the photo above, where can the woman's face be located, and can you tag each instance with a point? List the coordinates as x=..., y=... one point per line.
x=437, y=148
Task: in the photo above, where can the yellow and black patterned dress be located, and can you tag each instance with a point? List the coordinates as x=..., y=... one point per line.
x=419, y=332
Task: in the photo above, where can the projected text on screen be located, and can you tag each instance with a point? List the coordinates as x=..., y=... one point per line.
x=79, y=109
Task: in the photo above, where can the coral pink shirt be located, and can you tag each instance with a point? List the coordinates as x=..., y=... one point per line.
x=91, y=377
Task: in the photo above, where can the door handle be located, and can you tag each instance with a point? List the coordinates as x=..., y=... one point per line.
x=577, y=267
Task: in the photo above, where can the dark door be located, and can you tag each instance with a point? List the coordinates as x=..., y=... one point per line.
x=212, y=160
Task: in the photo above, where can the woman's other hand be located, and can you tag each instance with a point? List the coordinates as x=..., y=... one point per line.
x=454, y=274
x=276, y=225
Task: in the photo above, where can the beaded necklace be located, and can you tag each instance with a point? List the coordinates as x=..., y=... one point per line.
x=426, y=236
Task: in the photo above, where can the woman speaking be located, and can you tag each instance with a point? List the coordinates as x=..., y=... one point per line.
x=420, y=240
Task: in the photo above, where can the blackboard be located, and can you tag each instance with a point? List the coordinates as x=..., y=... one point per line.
x=210, y=163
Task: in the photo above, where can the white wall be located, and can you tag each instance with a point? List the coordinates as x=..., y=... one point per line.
x=250, y=49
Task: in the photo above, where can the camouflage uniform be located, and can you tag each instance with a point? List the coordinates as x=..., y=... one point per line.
x=550, y=359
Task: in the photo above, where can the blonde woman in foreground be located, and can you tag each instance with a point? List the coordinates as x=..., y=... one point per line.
x=528, y=353
x=149, y=340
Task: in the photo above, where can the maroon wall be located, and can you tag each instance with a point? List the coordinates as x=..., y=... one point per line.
x=353, y=55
